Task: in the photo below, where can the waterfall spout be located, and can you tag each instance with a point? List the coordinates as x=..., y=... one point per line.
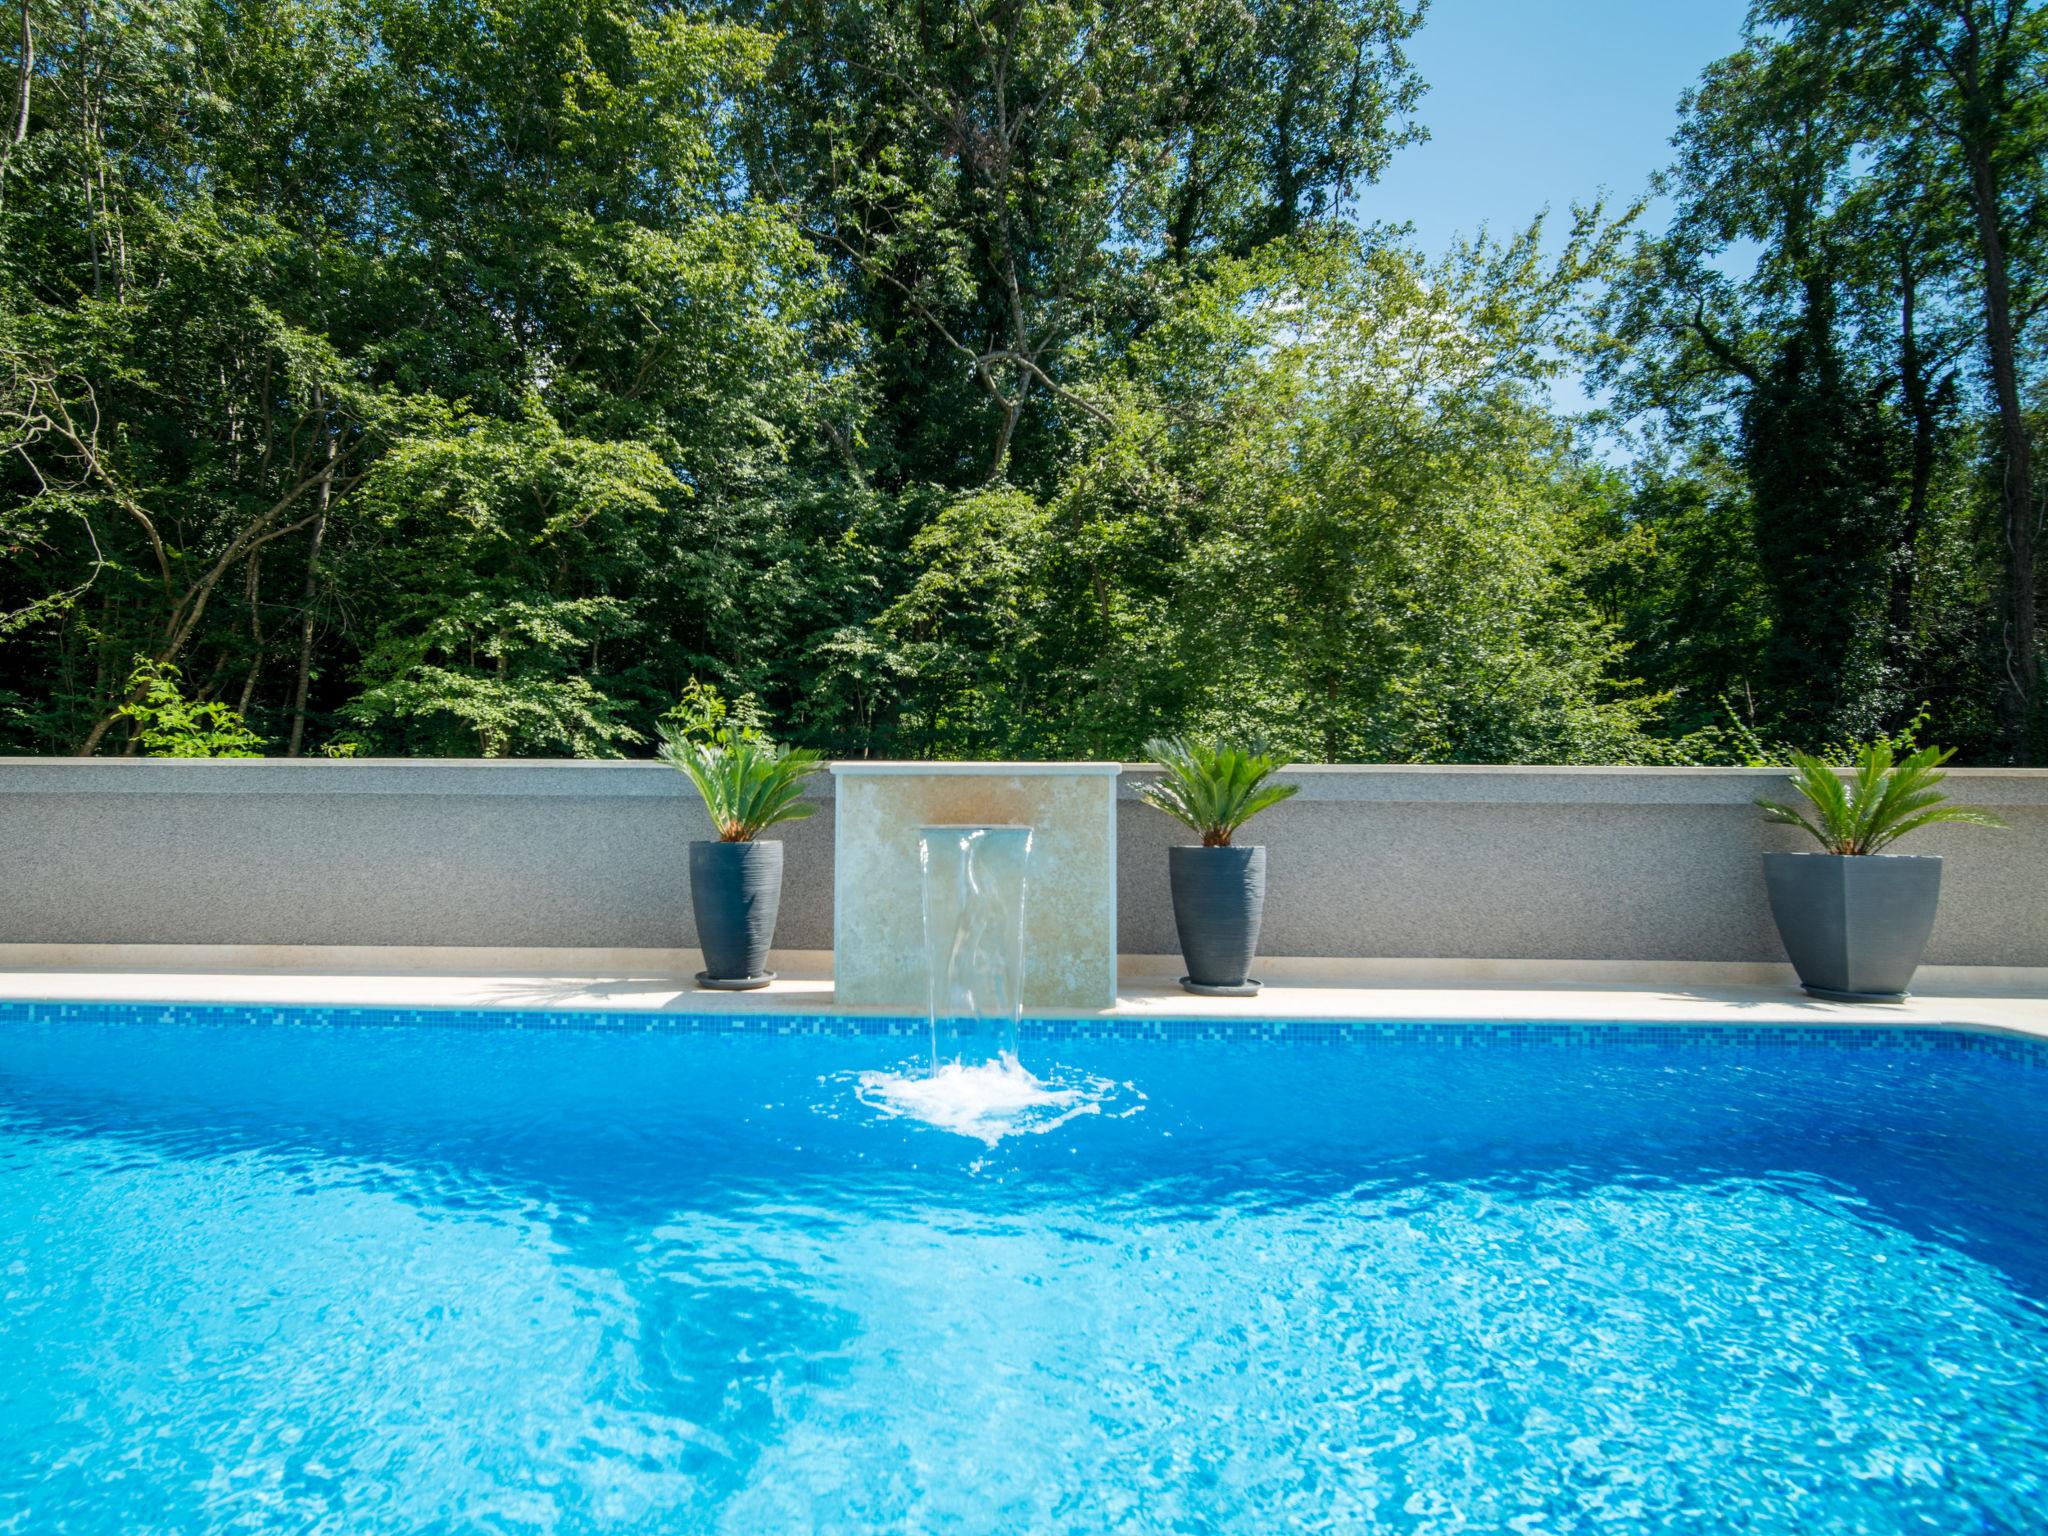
x=974, y=886
x=974, y=890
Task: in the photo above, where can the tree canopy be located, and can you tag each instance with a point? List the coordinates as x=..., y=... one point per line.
x=1013, y=378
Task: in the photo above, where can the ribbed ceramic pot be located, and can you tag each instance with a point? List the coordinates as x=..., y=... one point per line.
x=735, y=891
x=1856, y=925
x=1219, y=898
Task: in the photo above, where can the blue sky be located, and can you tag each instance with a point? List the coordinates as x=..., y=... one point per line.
x=1535, y=102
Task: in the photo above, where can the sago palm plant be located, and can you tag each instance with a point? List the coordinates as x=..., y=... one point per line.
x=748, y=784
x=1877, y=803
x=1213, y=789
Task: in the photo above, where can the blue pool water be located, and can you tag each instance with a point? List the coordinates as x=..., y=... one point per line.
x=280, y=1274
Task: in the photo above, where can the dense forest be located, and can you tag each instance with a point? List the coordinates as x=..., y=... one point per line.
x=1001, y=378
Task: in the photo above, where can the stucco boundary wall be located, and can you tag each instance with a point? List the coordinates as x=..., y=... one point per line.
x=1400, y=864
x=1577, y=864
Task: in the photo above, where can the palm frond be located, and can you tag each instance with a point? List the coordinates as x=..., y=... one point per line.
x=1962, y=815
x=1878, y=801
x=1773, y=811
x=1213, y=789
x=748, y=785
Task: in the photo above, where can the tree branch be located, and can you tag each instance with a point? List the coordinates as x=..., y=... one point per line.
x=1723, y=351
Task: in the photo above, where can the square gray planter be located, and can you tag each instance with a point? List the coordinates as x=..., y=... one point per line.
x=1855, y=926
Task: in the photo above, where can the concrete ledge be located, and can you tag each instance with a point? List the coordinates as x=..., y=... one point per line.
x=576, y=980
x=1140, y=970
x=1478, y=784
x=855, y=767
x=1284, y=970
x=1339, y=971
x=340, y=776
x=379, y=960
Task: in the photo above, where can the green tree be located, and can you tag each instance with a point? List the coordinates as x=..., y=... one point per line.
x=1341, y=517
x=170, y=725
x=1803, y=319
x=998, y=183
x=1970, y=79
x=372, y=358
x=462, y=377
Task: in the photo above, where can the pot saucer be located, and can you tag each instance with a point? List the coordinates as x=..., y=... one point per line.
x=1828, y=994
x=1247, y=988
x=710, y=983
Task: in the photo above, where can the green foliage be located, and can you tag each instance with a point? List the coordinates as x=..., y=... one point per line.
x=1310, y=515
x=703, y=712
x=171, y=725
x=748, y=784
x=1750, y=750
x=1878, y=802
x=1213, y=789
x=1803, y=346
x=1018, y=181
x=451, y=377
x=417, y=365
x=445, y=710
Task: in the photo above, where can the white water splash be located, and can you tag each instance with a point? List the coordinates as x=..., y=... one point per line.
x=987, y=1102
x=974, y=1085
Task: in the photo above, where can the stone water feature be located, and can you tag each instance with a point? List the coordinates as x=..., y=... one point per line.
x=1069, y=923
x=977, y=890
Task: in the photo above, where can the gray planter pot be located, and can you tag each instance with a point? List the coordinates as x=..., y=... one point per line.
x=1856, y=925
x=1219, y=898
x=735, y=890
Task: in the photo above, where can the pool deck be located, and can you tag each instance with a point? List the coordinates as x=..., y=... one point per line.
x=659, y=981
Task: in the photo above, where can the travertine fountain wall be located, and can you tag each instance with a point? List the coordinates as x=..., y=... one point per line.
x=878, y=885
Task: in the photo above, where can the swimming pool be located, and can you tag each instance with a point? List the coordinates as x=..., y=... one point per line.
x=311, y=1271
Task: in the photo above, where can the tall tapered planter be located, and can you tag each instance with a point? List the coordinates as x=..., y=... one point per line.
x=1855, y=925
x=1219, y=900
x=735, y=892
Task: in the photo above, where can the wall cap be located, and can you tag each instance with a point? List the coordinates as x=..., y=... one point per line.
x=1391, y=784
x=864, y=767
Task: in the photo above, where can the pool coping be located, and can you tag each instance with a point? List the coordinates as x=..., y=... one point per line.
x=1914, y=1038
x=1298, y=991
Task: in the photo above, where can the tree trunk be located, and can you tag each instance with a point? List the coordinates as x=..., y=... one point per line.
x=2016, y=489
x=312, y=590
x=1006, y=434
x=1921, y=417
x=255, y=587
x=28, y=74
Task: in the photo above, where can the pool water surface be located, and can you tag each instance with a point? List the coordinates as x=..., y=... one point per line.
x=279, y=1273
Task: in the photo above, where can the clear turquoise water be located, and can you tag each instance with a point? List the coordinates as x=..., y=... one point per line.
x=286, y=1276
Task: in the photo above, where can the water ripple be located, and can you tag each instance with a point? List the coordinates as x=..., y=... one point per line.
x=284, y=1279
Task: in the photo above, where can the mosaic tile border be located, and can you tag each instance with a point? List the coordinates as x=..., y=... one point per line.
x=1505, y=1034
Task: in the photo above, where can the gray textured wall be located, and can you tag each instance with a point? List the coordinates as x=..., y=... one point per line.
x=1471, y=863
x=420, y=853
x=1574, y=864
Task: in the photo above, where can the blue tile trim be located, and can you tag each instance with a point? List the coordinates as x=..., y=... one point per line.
x=1507, y=1034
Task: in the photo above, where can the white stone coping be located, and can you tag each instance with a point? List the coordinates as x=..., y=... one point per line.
x=856, y=768
x=1516, y=784
x=1395, y=784
x=658, y=981
x=428, y=776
